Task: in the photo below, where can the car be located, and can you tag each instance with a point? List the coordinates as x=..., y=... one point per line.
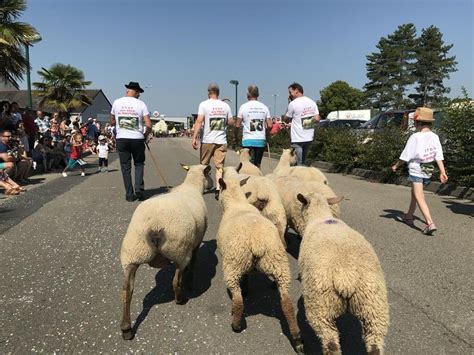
x=340, y=123
x=397, y=118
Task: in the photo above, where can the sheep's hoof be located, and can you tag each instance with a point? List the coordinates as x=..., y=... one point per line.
x=181, y=301
x=299, y=346
x=237, y=328
x=127, y=334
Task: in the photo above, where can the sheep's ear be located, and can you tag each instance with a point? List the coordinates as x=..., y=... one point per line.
x=222, y=184
x=185, y=167
x=207, y=169
x=334, y=200
x=238, y=167
x=292, y=151
x=302, y=199
x=244, y=181
x=248, y=194
x=238, y=152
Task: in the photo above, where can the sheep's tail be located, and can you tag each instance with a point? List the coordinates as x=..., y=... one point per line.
x=345, y=280
x=257, y=246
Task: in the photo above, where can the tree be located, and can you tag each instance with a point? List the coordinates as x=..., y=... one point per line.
x=14, y=36
x=339, y=96
x=62, y=87
x=390, y=70
x=432, y=67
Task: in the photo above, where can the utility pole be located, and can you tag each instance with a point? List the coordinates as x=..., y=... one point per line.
x=274, y=104
x=236, y=83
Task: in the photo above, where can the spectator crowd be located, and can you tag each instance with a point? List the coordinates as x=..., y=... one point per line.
x=32, y=142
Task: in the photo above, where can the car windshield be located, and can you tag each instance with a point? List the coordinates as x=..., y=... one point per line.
x=371, y=123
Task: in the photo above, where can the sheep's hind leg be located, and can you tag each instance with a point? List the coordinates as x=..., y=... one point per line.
x=289, y=313
x=190, y=269
x=237, y=307
x=178, y=285
x=127, y=292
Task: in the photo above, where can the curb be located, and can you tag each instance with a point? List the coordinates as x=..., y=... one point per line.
x=460, y=192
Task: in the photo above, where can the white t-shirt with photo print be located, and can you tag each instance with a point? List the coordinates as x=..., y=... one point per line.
x=302, y=111
x=254, y=114
x=216, y=114
x=129, y=113
x=422, y=147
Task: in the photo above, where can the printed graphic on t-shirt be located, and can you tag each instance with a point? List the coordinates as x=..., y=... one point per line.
x=308, y=122
x=256, y=125
x=217, y=123
x=128, y=122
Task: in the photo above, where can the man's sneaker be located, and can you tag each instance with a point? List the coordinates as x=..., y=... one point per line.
x=99, y=170
x=106, y=170
x=64, y=174
x=430, y=229
x=140, y=196
x=83, y=174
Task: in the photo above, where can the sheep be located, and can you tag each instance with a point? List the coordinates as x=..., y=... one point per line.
x=167, y=228
x=247, y=167
x=340, y=272
x=289, y=186
x=262, y=193
x=284, y=168
x=247, y=240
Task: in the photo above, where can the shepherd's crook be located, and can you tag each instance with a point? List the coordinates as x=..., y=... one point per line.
x=156, y=165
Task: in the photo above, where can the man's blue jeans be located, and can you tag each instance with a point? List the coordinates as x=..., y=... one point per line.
x=301, y=151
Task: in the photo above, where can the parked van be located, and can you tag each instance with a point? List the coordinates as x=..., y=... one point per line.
x=361, y=115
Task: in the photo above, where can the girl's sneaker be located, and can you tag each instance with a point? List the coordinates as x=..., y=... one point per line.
x=430, y=229
x=83, y=174
x=64, y=174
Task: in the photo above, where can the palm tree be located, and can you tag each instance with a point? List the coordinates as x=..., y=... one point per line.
x=14, y=36
x=62, y=87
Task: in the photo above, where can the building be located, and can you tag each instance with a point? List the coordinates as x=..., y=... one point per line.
x=100, y=107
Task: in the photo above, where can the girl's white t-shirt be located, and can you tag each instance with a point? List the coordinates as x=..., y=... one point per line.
x=422, y=147
x=253, y=114
x=302, y=111
x=216, y=114
x=103, y=150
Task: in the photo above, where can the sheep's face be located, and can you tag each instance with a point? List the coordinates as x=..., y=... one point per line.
x=289, y=155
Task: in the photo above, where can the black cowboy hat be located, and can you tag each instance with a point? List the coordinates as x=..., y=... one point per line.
x=134, y=86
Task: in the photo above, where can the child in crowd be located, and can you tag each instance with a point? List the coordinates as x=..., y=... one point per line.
x=103, y=152
x=422, y=149
x=77, y=150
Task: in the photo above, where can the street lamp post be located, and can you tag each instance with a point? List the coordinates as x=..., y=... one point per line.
x=236, y=83
x=274, y=104
x=28, y=42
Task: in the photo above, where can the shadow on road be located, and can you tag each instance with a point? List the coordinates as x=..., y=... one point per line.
x=204, y=272
x=158, y=191
x=293, y=242
x=350, y=332
x=460, y=208
x=393, y=214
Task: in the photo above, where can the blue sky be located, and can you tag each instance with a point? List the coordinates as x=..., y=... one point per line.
x=177, y=47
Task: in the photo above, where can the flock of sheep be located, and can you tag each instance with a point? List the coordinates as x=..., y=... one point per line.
x=339, y=269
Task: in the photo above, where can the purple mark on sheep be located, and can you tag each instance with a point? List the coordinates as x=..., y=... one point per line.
x=330, y=221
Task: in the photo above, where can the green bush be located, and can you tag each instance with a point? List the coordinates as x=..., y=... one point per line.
x=456, y=135
x=279, y=141
x=338, y=146
x=382, y=150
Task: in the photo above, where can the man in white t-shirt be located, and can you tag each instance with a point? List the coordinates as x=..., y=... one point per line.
x=214, y=115
x=131, y=119
x=256, y=119
x=303, y=113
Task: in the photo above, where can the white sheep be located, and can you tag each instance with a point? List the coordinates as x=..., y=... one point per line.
x=285, y=168
x=167, y=228
x=247, y=240
x=289, y=186
x=340, y=272
x=247, y=167
x=262, y=193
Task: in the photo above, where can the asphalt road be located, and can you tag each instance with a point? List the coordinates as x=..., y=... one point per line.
x=60, y=274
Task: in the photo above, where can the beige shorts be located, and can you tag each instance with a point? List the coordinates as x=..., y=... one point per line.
x=215, y=151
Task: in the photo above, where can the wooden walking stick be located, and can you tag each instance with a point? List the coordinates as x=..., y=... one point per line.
x=269, y=157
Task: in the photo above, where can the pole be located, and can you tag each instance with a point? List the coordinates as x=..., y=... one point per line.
x=274, y=104
x=236, y=98
x=28, y=79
